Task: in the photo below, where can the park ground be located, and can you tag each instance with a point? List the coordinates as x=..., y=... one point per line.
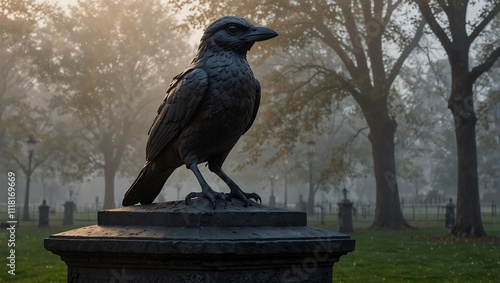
x=425, y=254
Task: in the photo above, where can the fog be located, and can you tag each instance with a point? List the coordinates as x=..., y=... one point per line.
x=74, y=84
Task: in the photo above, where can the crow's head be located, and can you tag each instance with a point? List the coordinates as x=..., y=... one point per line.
x=234, y=34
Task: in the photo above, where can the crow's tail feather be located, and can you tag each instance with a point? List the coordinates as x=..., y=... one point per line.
x=146, y=187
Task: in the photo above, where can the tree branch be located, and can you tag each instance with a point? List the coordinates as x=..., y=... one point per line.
x=44, y=158
x=486, y=20
x=327, y=37
x=390, y=9
x=443, y=5
x=362, y=69
x=348, y=85
x=374, y=30
x=11, y=156
x=486, y=65
x=406, y=52
x=428, y=14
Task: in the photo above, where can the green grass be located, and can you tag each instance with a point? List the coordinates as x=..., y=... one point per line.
x=33, y=262
x=380, y=256
x=421, y=255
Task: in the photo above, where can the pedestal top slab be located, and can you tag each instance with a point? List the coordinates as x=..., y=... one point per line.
x=200, y=213
x=175, y=227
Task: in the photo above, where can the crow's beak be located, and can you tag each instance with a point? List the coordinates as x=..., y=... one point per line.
x=260, y=34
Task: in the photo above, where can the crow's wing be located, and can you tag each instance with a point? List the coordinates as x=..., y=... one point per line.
x=183, y=96
x=256, y=105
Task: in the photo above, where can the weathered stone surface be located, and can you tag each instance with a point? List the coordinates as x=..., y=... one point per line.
x=174, y=242
x=200, y=214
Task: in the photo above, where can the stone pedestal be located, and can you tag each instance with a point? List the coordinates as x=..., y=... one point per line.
x=175, y=242
x=69, y=208
x=450, y=214
x=272, y=201
x=43, y=215
x=345, y=216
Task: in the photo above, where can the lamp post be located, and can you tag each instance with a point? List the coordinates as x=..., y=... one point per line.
x=311, y=150
x=31, y=146
x=344, y=192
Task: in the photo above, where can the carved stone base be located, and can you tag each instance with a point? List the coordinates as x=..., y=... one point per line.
x=175, y=242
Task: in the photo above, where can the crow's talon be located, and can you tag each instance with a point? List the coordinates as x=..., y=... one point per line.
x=209, y=194
x=255, y=196
x=193, y=195
x=244, y=197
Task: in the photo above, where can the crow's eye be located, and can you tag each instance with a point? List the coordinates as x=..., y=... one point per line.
x=232, y=29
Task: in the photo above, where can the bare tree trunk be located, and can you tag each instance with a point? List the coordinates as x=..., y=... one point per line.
x=112, y=153
x=456, y=39
x=109, y=188
x=388, y=213
x=461, y=104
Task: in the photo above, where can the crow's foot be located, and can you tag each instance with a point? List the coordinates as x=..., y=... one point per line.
x=209, y=194
x=237, y=193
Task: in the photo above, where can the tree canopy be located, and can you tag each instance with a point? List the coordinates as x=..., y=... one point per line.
x=106, y=60
x=329, y=50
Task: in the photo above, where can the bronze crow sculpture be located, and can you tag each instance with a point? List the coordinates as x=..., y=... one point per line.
x=208, y=107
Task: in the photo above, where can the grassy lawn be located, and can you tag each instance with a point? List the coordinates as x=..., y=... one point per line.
x=33, y=262
x=420, y=255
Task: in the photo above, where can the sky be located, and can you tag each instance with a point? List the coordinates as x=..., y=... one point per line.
x=195, y=36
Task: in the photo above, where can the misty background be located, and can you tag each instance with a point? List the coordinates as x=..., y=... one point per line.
x=85, y=79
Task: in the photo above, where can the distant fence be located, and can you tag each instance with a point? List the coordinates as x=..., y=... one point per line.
x=437, y=211
x=87, y=212
x=411, y=211
x=84, y=213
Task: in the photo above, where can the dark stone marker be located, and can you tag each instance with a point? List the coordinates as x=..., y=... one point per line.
x=43, y=215
x=69, y=208
x=175, y=242
x=450, y=214
x=345, y=214
x=272, y=201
